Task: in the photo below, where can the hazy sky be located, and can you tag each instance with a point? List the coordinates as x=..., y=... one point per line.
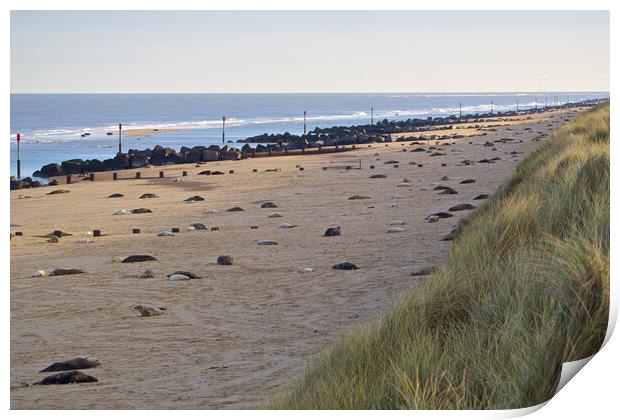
x=408, y=51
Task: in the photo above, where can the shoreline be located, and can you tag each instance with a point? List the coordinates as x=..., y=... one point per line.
x=381, y=131
x=236, y=337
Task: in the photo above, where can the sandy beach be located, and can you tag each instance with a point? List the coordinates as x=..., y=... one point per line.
x=239, y=335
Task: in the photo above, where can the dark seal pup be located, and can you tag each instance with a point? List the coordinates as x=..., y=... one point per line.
x=77, y=363
x=68, y=377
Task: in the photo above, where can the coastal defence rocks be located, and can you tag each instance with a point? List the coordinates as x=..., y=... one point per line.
x=380, y=132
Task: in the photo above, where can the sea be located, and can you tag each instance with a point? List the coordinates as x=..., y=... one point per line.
x=51, y=126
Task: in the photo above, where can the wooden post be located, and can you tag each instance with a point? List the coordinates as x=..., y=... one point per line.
x=138, y=175
x=114, y=176
x=184, y=173
x=120, y=147
x=19, y=162
x=161, y=174
x=91, y=176
x=231, y=171
x=135, y=231
x=69, y=179
x=96, y=233
x=175, y=230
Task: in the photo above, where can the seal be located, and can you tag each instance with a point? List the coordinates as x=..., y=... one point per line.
x=461, y=207
x=224, y=260
x=65, y=271
x=116, y=195
x=332, y=231
x=68, y=377
x=188, y=274
x=138, y=258
x=268, y=205
x=236, y=208
x=149, y=310
x=149, y=195
x=141, y=210
x=147, y=274
x=345, y=265
x=267, y=242
x=73, y=364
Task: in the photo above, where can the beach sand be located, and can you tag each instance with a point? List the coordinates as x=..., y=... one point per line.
x=241, y=334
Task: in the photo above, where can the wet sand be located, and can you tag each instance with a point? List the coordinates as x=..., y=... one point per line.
x=242, y=333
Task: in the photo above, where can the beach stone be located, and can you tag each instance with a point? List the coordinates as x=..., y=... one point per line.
x=65, y=271
x=141, y=210
x=468, y=181
x=461, y=207
x=73, y=364
x=68, y=377
x=237, y=208
x=274, y=215
x=119, y=212
x=178, y=277
x=267, y=242
x=185, y=273
x=392, y=205
x=359, y=197
x=138, y=258
x=377, y=176
x=149, y=195
x=60, y=191
x=481, y=197
x=345, y=265
x=333, y=231
x=395, y=230
x=199, y=226
x=224, y=260
x=268, y=205
x=39, y=273
x=194, y=198
x=165, y=233
x=147, y=274
x=424, y=270
x=149, y=310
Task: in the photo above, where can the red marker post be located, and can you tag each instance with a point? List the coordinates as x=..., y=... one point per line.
x=19, y=162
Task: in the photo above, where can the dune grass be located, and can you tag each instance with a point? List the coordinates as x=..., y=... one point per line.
x=524, y=289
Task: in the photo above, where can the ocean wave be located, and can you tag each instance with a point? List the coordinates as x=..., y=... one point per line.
x=97, y=133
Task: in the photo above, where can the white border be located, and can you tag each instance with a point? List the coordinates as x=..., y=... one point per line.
x=592, y=395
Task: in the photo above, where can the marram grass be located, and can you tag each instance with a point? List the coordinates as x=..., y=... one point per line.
x=524, y=289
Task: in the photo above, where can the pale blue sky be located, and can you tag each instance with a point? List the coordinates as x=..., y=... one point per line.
x=406, y=51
